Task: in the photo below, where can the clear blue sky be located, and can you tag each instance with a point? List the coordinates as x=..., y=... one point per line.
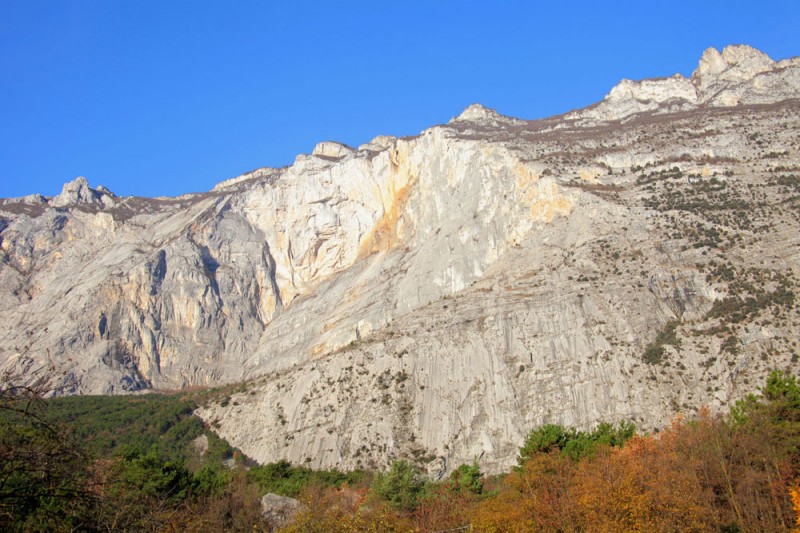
x=165, y=97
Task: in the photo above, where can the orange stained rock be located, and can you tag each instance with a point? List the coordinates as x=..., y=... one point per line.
x=385, y=235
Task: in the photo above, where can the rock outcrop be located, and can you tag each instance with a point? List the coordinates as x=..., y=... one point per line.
x=477, y=114
x=436, y=297
x=78, y=192
x=738, y=75
x=279, y=511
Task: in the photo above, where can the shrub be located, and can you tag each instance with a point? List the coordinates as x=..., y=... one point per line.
x=401, y=486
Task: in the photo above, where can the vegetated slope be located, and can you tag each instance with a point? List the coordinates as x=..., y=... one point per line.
x=435, y=297
x=143, y=462
x=132, y=462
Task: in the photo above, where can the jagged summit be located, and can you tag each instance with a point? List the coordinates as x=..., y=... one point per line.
x=332, y=149
x=78, y=192
x=736, y=63
x=73, y=193
x=739, y=74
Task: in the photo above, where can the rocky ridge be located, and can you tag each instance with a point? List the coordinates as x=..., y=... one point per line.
x=738, y=75
x=435, y=297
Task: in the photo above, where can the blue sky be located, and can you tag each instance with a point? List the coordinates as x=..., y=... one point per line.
x=162, y=98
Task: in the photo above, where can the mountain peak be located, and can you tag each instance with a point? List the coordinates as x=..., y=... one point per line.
x=77, y=192
x=416, y=296
x=736, y=63
x=476, y=113
x=739, y=74
x=482, y=115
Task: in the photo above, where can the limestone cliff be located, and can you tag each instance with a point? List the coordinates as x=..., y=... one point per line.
x=738, y=75
x=435, y=297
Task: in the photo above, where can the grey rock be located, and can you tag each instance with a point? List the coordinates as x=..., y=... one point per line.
x=738, y=75
x=279, y=511
x=436, y=297
x=78, y=192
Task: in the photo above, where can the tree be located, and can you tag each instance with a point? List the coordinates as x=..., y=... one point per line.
x=543, y=440
x=44, y=484
x=344, y=509
x=401, y=486
x=147, y=474
x=575, y=444
x=538, y=496
x=444, y=505
x=763, y=454
x=644, y=486
x=467, y=478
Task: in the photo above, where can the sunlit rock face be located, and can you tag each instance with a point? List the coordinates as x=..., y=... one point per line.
x=738, y=75
x=435, y=297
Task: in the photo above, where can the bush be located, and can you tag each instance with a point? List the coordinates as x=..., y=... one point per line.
x=401, y=486
x=467, y=478
x=543, y=440
x=572, y=443
x=654, y=352
x=287, y=480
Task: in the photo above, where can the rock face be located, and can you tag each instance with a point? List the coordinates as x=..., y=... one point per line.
x=738, y=75
x=436, y=297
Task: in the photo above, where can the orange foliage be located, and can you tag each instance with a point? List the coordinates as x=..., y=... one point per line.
x=538, y=497
x=747, y=467
x=644, y=486
x=443, y=508
x=703, y=475
x=794, y=494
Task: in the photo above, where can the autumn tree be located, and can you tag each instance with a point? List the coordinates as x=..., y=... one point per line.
x=345, y=509
x=644, y=486
x=535, y=497
x=445, y=505
x=763, y=455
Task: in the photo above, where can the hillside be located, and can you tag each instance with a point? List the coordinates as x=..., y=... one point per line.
x=435, y=297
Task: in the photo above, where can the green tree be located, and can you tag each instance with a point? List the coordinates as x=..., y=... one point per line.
x=543, y=440
x=401, y=486
x=142, y=490
x=283, y=478
x=468, y=478
x=582, y=444
x=211, y=480
x=575, y=444
x=148, y=474
x=44, y=484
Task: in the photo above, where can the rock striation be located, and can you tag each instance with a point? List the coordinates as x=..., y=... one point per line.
x=436, y=297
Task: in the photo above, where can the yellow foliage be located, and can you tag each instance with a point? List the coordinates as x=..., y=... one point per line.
x=794, y=494
x=536, y=498
x=345, y=510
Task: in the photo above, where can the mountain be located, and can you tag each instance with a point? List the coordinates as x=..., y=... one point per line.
x=436, y=297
